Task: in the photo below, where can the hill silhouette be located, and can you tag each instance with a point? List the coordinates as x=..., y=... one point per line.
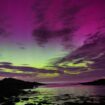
x=10, y=86
x=96, y=82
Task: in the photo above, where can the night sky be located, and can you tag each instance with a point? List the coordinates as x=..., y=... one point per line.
x=52, y=40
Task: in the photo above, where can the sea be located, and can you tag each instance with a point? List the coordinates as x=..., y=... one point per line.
x=62, y=95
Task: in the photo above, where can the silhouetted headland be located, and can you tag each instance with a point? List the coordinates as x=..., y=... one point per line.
x=10, y=86
x=96, y=82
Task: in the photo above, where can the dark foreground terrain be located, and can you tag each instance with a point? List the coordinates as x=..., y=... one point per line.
x=17, y=92
x=96, y=82
x=10, y=89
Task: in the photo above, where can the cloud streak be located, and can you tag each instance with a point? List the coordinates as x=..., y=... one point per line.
x=59, y=23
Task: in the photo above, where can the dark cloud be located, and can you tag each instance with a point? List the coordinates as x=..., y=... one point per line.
x=21, y=45
x=87, y=58
x=28, y=69
x=66, y=15
x=8, y=74
x=43, y=35
x=23, y=48
x=39, y=8
x=5, y=63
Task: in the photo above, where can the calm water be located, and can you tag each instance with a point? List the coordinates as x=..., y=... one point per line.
x=51, y=95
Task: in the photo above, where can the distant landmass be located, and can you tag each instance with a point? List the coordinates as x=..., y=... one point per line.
x=15, y=83
x=96, y=82
x=10, y=86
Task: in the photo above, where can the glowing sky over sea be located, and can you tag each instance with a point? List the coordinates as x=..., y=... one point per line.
x=52, y=40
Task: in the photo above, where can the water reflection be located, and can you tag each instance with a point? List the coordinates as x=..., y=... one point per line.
x=63, y=95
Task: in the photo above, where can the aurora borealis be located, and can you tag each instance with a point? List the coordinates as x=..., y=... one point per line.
x=52, y=40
